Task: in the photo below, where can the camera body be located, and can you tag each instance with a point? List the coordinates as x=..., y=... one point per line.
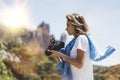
x=54, y=46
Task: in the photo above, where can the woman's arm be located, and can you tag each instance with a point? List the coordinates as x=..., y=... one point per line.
x=77, y=62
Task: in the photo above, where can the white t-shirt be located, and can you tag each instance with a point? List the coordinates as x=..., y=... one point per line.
x=86, y=72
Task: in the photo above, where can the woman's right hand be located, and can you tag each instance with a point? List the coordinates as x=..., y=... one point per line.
x=54, y=53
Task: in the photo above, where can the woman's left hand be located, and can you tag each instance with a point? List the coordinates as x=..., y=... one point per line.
x=54, y=53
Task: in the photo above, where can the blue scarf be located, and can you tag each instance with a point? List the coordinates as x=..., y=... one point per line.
x=64, y=67
x=94, y=53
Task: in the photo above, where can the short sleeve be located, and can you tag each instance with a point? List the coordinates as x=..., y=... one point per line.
x=81, y=42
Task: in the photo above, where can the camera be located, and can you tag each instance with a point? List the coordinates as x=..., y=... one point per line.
x=54, y=46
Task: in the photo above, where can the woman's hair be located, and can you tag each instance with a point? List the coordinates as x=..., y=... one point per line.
x=78, y=22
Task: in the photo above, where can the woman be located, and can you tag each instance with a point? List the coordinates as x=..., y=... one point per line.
x=77, y=58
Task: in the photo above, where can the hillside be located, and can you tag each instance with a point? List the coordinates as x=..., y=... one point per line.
x=107, y=73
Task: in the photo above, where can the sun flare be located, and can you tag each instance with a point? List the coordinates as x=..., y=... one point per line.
x=15, y=15
x=14, y=18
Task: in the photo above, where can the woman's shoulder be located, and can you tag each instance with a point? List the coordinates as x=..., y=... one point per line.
x=82, y=37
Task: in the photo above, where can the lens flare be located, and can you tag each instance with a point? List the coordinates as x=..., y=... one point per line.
x=15, y=15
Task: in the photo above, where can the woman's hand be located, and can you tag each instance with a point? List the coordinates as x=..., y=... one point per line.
x=54, y=53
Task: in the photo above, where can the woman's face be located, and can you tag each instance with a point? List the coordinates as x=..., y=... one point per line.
x=70, y=29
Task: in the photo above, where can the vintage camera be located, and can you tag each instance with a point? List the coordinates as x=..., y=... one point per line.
x=54, y=46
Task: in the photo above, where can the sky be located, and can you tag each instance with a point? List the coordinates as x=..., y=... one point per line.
x=103, y=18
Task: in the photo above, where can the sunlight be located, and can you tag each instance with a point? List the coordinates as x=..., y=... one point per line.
x=15, y=16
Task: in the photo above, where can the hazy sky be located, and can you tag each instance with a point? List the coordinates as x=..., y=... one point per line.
x=103, y=18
